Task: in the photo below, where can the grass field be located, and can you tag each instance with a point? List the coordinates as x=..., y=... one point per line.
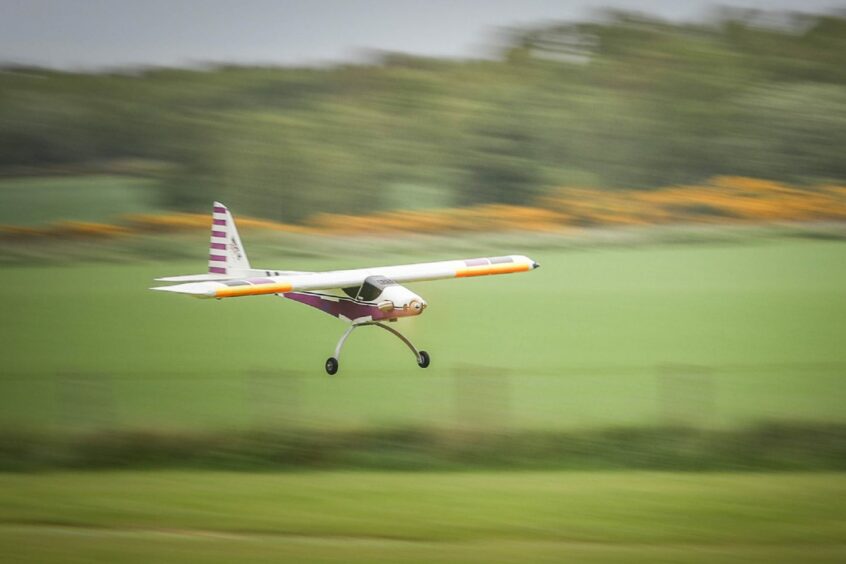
x=725, y=334
x=719, y=335
x=432, y=517
x=100, y=198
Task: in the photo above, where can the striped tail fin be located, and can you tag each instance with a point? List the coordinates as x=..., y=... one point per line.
x=226, y=253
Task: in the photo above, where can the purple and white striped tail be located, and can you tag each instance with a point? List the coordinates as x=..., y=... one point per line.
x=219, y=239
x=227, y=256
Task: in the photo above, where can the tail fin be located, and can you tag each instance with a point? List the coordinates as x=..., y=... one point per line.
x=226, y=253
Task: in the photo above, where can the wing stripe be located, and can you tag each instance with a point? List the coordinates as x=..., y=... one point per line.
x=257, y=290
x=496, y=269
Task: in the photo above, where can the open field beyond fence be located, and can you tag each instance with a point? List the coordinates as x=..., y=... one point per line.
x=711, y=335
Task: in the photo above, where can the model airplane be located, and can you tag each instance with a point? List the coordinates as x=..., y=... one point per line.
x=364, y=296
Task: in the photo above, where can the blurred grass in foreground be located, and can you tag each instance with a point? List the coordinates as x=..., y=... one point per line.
x=385, y=517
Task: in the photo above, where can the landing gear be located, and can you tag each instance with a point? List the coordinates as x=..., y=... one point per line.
x=422, y=357
x=331, y=365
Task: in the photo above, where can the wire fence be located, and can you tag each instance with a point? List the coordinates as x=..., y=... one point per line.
x=463, y=396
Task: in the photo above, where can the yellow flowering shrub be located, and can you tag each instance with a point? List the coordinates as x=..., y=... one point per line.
x=723, y=199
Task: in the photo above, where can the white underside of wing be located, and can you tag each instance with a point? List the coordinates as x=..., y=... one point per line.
x=192, y=288
x=209, y=277
x=334, y=279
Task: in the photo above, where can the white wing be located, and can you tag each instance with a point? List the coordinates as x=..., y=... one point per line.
x=331, y=280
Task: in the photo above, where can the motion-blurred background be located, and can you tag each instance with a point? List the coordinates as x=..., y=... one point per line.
x=670, y=385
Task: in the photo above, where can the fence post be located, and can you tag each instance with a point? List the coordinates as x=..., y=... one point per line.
x=86, y=400
x=274, y=398
x=686, y=395
x=481, y=397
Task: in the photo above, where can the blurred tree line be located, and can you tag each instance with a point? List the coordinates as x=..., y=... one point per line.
x=627, y=102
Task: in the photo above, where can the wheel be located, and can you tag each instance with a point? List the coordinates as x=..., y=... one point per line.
x=423, y=359
x=331, y=365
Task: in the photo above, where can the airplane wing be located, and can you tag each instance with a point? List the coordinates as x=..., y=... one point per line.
x=331, y=280
x=223, y=277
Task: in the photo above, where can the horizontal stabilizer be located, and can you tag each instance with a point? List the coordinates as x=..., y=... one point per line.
x=199, y=289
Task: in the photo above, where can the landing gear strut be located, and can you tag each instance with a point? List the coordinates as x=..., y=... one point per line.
x=332, y=362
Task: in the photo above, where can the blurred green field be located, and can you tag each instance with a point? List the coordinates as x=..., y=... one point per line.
x=97, y=198
x=720, y=334
x=430, y=517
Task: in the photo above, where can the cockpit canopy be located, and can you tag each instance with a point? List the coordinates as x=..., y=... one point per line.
x=370, y=289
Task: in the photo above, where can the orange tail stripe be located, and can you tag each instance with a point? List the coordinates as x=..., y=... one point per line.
x=258, y=290
x=493, y=269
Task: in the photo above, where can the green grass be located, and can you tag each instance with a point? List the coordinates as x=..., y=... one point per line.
x=387, y=517
x=41, y=200
x=718, y=335
x=593, y=338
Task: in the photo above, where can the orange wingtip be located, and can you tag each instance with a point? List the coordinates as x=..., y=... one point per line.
x=253, y=290
x=491, y=269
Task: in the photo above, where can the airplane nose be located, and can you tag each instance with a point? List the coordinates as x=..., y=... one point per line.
x=535, y=265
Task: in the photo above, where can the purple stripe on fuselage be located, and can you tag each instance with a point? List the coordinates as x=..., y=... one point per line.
x=261, y=281
x=219, y=221
x=219, y=209
x=347, y=308
x=217, y=270
x=219, y=246
x=221, y=234
x=217, y=258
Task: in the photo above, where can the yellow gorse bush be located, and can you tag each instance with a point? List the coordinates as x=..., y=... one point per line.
x=723, y=199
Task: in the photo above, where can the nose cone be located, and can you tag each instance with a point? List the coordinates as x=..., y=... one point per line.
x=535, y=265
x=417, y=305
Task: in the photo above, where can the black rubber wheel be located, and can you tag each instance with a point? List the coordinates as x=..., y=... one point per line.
x=331, y=365
x=423, y=359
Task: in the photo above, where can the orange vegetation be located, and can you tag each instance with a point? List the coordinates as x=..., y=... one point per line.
x=723, y=199
x=492, y=217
